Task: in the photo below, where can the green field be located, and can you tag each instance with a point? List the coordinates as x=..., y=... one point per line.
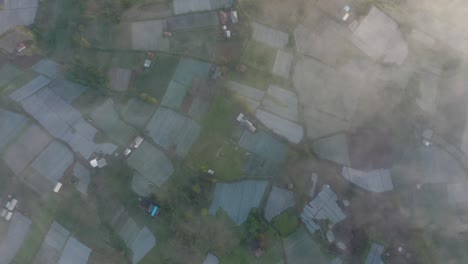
x=155, y=81
x=259, y=56
x=214, y=148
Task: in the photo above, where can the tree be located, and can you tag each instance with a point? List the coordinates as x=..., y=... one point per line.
x=85, y=73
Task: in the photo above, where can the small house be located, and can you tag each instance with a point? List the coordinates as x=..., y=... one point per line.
x=234, y=17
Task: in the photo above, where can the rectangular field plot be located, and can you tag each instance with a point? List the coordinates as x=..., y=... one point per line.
x=137, y=113
x=192, y=21
x=29, y=144
x=264, y=145
x=52, y=245
x=11, y=124
x=13, y=239
x=237, y=199
x=107, y=118
x=259, y=56
x=173, y=131
x=269, y=36
x=151, y=163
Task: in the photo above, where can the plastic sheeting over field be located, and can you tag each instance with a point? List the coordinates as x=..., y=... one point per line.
x=192, y=21
x=53, y=245
x=375, y=253
x=374, y=181
x=323, y=207
x=59, y=118
x=68, y=91
x=264, y=145
x=173, y=131
x=188, y=6
x=107, y=118
x=84, y=177
x=74, y=253
x=137, y=112
x=300, y=248
x=333, y=148
x=237, y=199
x=280, y=126
x=48, y=68
x=269, y=36
x=11, y=124
x=28, y=146
x=278, y=201
x=151, y=163
x=139, y=240
x=14, y=237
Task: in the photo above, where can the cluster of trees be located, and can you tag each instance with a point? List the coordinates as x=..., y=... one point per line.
x=89, y=74
x=148, y=98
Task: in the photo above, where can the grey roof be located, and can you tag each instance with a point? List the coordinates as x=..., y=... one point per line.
x=74, y=253
x=278, y=201
x=68, y=91
x=142, y=244
x=59, y=118
x=375, y=180
x=53, y=161
x=269, y=36
x=48, y=68
x=211, y=259
x=191, y=21
x=14, y=237
x=237, y=199
x=53, y=244
x=323, y=207
x=30, y=88
x=11, y=124
x=151, y=163
x=291, y=131
x=173, y=131
x=264, y=145
x=333, y=148
x=83, y=175
x=375, y=253
x=30, y=143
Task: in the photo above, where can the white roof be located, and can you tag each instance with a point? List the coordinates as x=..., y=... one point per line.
x=57, y=187
x=8, y=216
x=11, y=204
x=93, y=163
x=138, y=141
x=102, y=163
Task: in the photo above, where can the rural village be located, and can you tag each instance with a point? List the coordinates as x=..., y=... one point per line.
x=224, y=131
